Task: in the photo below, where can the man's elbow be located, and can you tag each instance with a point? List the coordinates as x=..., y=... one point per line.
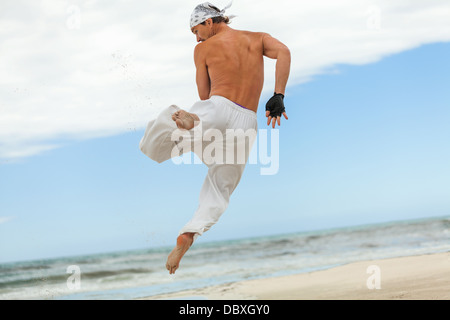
x=285, y=52
x=203, y=95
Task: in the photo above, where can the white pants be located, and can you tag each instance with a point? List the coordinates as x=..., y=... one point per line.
x=218, y=116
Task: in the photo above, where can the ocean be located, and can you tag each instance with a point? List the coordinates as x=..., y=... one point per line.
x=141, y=273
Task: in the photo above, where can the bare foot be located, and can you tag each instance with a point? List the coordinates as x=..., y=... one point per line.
x=184, y=242
x=184, y=119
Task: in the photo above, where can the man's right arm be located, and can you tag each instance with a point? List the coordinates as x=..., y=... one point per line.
x=202, y=76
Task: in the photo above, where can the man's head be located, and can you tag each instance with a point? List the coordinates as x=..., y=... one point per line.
x=204, y=17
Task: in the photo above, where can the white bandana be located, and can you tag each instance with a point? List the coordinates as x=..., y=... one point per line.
x=203, y=12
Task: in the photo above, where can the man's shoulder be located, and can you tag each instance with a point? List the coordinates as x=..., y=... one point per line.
x=199, y=48
x=252, y=34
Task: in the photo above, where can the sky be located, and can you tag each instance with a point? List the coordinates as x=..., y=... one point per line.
x=366, y=140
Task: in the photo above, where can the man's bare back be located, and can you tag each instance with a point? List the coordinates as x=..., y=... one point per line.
x=235, y=65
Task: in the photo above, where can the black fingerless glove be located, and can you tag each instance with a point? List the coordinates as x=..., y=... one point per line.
x=275, y=105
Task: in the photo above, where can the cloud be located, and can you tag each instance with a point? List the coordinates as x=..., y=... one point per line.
x=5, y=219
x=99, y=68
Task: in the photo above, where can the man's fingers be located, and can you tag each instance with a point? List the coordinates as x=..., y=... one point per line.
x=275, y=120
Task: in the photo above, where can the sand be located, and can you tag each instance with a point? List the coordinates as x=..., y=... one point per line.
x=425, y=277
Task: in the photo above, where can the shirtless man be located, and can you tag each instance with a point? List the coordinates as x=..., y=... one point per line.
x=229, y=66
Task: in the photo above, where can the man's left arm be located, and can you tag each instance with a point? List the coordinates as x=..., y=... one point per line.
x=275, y=49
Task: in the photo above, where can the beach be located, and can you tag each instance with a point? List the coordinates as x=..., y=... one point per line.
x=421, y=277
x=404, y=259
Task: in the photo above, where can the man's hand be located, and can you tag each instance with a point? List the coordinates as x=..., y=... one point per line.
x=274, y=109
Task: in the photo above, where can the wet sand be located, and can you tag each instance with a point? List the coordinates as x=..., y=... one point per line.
x=424, y=277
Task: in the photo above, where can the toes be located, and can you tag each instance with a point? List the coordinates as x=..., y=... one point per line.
x=179, y=123
x=171, y=269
